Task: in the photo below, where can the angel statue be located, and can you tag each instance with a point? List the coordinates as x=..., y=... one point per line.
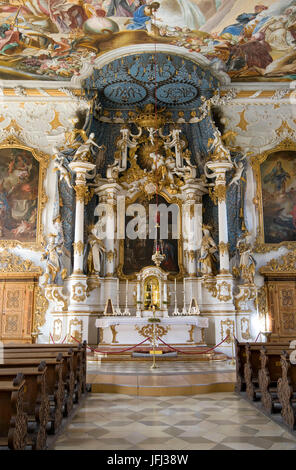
x=52, y=255
x=239, y=169
x=59, y=165
x=83, y=151
x=247, y=264
x=207, y=260
x=95, y=254
x=220, y=152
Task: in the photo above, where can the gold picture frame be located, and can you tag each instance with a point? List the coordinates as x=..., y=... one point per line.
x=43, y=159
x=260, y=245
x=182, y=272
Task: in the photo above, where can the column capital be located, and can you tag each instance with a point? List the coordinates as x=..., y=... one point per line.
x=81, y=167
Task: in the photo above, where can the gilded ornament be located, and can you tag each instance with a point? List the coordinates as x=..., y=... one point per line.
x=218, y=194
x=79, y=292
x=284, y=264
x=227, y=329
x=148, y=330
x=78, y=247
x=224, y=291
x=223, y=248
x=40, y=309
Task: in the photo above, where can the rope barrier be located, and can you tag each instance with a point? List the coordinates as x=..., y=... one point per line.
x=198, y=352
x=257, y=336
x=62, y=342
x=112, y=352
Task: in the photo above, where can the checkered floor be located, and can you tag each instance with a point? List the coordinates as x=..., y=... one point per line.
x=212, y=421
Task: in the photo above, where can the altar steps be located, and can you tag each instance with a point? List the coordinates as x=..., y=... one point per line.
x=167, y=380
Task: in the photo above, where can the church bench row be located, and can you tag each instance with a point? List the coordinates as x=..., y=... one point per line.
x=265, y=373
x=55, y=377
x=79, y=357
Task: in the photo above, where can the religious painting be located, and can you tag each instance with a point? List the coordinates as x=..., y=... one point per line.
x=137, y=254
x=275, y=172
x=22, y=198
x=52, y=39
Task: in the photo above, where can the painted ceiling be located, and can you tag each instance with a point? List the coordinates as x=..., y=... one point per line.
x=52, y=39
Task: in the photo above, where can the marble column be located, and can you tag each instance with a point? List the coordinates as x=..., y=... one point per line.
x=81, y=169
x=219, y=168
x=192, y=224
x=108, y=193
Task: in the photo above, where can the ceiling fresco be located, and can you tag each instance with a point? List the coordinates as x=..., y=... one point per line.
x=52, y=39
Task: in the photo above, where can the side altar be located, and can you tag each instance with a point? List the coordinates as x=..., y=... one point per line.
x=186, y=330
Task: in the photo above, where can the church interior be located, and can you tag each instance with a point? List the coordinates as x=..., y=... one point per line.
x=147, y=225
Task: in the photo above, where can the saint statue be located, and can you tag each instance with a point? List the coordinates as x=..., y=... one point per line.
x=208, y=248
x=52, y=255
x=96, y=251
x=246, y=263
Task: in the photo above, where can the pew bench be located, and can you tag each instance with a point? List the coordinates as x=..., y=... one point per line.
x=13, y=419
x=54, y=381
x=68, y=369
x=36, y=402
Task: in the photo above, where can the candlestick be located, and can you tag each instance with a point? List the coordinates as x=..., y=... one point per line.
x=184, y=312
x=126, y=311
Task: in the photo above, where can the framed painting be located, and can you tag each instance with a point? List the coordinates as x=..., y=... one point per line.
x=129, y=264
x=22, y=194
x=275, y=173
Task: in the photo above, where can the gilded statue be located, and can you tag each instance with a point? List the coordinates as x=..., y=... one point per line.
x=53, y=254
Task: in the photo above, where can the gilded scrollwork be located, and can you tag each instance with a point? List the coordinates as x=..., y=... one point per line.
x=284, y=264
x=224, y=291
x=147, y=330
x=40, y=308
x=11, y=263
x=79, y=292
x=78, y=247
x=227, y=329
x=218, y=193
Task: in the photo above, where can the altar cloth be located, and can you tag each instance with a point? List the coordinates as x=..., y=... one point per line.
x=200, y=322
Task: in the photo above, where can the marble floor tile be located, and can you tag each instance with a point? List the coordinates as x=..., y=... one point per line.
x=121, y=422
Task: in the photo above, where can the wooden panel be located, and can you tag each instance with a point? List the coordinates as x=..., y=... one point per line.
x=16, y=310
x=282, y=308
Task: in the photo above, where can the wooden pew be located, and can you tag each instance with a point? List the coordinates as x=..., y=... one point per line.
x=286, y=389
x=81, y=373
x=68, y=369
x=13, y=419
x=249, y=361
x=79, y=360
x=36, y=402
x=54, y=382
x=269, y=374
x=240, y=355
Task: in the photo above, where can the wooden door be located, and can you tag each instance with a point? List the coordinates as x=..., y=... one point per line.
x=282, y=307
x=16, y=310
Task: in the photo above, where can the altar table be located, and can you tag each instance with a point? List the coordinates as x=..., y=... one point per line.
x=119, y=330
